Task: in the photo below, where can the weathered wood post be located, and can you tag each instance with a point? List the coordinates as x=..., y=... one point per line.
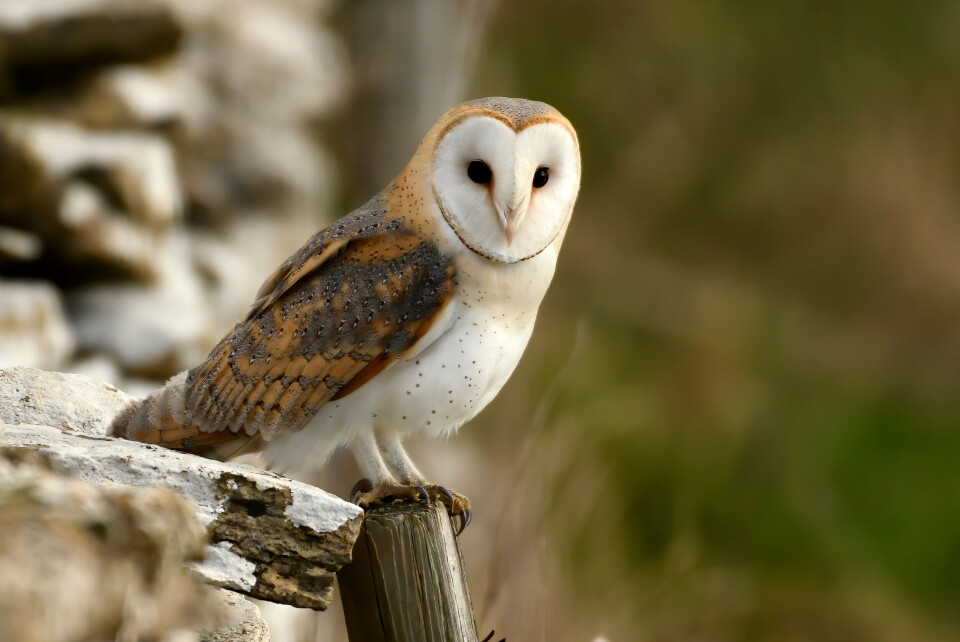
x=406, y=582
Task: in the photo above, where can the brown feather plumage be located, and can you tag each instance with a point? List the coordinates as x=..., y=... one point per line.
x=338, y=312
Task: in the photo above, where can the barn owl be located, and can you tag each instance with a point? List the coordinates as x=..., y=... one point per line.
x=407, y=315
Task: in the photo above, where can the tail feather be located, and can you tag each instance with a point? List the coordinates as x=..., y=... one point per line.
x=162, y=419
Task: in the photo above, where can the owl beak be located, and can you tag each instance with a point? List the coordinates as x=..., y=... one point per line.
x=511, y=218
x=510, y=221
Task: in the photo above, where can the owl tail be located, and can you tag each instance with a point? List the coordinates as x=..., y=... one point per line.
x=162, y=419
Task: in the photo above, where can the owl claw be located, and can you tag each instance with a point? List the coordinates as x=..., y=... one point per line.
x=448, y=496
x=361, y=487
x=457, y=504
x=465, y=518
x=422, y=494
x=365, y=495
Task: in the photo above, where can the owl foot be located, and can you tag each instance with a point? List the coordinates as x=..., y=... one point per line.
x=365, y=495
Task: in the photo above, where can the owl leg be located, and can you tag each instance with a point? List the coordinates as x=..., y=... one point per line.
x=397, y=458
x=378, y=484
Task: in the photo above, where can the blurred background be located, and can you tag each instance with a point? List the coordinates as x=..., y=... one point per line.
x=739, y=416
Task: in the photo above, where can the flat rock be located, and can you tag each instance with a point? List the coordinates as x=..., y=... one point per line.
x=245, y=622
x=97, y=200
x=34, y=328
x=81, y=561
x=164, y=97
x=270, y=537
x=136, y=171
x=65, y=401
x=153, y=330
x=70, y=32
x=18, y=245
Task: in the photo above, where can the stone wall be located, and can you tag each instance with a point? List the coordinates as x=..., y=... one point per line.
x=158, y=158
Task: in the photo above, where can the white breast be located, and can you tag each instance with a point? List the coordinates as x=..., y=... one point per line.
x=448, y=381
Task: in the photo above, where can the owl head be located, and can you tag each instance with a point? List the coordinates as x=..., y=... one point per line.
x=505, y=173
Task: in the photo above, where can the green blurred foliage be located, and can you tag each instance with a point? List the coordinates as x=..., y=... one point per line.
x=757, y=429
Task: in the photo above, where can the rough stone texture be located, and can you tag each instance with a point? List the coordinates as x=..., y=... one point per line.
x=149, y=330
x=33, y=329
x=160, y=158
x=36, y=33
x=65, y=401
x=270, y=537
x=101, y=200
x=164, y=97
x=18, y=245
x=85, y=562
x=245, y=622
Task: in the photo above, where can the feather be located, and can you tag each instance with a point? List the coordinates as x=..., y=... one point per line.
x=352, y=300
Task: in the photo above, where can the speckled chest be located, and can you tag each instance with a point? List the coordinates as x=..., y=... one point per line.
x=478, y=345
x=457, y=373
x=436, y=390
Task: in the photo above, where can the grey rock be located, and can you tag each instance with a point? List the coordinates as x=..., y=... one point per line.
x=152, y=330
x=245, y=622
x=80, y=561
x=166, y=97
x=275, y=70
x=270, y=537
x=33, y=329
x=101, y=238
x=101, y=200
x=276, y=49
x=39, y=33
x=135, y=169
x=19, y=245
x=64, y=401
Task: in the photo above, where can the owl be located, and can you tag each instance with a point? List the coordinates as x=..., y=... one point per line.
x=406, y=316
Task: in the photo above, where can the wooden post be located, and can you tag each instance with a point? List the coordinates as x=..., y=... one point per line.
x=406, y=582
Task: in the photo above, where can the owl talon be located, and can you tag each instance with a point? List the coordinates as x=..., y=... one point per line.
x=365, y=494
x=448, y=496
x=457, y=504
x=465, y=518
x=362, y=486
x=422, y=494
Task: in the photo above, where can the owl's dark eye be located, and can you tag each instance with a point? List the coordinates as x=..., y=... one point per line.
x=541, y=176
x=479, y=172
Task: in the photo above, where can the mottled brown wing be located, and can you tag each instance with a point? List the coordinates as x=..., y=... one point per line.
x=319, y=333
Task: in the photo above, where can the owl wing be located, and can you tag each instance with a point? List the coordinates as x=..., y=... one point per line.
x=326, y=322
